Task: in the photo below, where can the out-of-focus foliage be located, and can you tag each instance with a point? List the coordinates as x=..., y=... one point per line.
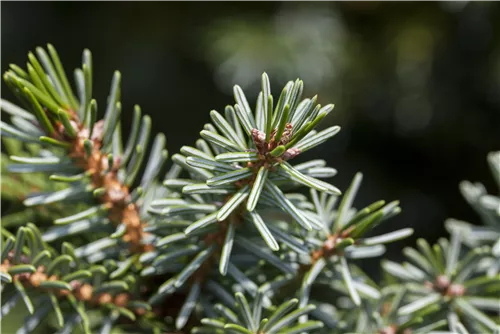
x=488, y=208
x=305, y=41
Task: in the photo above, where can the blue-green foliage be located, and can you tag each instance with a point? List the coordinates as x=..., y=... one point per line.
x=229, y=242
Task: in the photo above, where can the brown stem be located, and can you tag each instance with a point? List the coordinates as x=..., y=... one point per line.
x=80, y=290
x=116, y=197
x=329, y=246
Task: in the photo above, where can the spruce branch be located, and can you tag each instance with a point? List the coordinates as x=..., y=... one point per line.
x=86, y=165
x=311, y=258
x=242, y=157
x=256, y=318
x=222, y=196
x=329, y=251
x=90, y=160
x=31, y=267
x=381, y=316
x=224, y=244
x=451, y=277
x=488, y=208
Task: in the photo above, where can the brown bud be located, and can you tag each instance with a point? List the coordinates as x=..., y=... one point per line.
x=75, y=284
x=121, y=299
x=115, y=192
x=84, y=133
x=104, y=163
x=290, y=153
x=84, y=292
x=442, y=282
x=104, y=298
x=456, y=290
x=23, y=277
x=259, y=138
x=97, y=133
x=37, y=278
x=287, y=134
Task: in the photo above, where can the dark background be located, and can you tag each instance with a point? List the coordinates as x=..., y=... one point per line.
x=416, y=85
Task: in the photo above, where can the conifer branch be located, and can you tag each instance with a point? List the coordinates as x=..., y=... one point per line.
x=224, y=244
x=93, y=147
x=33, y=267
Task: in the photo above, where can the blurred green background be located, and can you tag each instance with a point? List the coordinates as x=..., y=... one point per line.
x=416, y=84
